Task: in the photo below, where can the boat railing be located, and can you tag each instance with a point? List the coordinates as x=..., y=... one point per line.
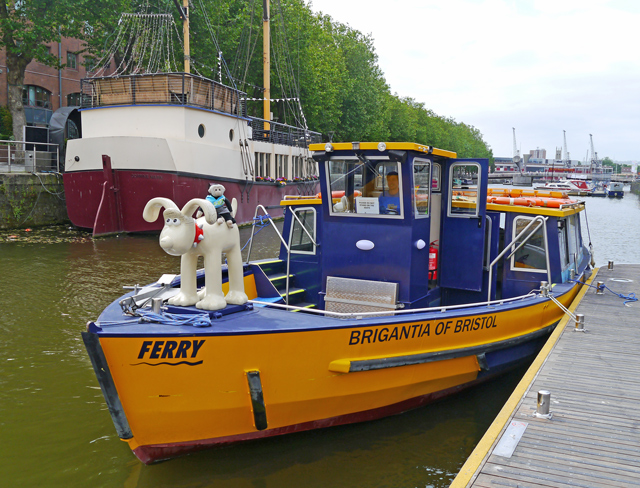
x=277, y=133
x=540, y=223
x=266, y=216
x=357, y=315
x=161, y=89
x=188, y=90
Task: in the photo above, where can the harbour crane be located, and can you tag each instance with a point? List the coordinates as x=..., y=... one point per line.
x=595, y=164
x=567, y=158
x=516, y=154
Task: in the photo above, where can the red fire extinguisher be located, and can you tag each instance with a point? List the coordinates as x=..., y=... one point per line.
x=433, y=260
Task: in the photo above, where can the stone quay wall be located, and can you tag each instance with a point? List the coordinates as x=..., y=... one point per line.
x=31, y=200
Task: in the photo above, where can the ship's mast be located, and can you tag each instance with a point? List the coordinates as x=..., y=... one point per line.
x=266, y=62
x=184, y=15
x=185, y=33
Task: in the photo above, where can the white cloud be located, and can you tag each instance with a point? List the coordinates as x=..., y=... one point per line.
x=542, y=66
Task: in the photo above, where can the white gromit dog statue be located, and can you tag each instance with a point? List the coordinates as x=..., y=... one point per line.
x=189, y=238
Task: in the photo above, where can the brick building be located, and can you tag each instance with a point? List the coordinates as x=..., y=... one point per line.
x=45, y=88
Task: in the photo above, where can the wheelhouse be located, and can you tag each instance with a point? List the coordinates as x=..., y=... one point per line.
x=422, y=220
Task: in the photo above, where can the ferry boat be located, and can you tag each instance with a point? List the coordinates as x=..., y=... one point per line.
x=148, y=134
x=394, y=287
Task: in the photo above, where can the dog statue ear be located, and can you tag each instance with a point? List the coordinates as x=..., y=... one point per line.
x=153, y=206
x=210, y=214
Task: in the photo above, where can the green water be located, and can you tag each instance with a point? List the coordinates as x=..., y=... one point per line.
x=56, y=431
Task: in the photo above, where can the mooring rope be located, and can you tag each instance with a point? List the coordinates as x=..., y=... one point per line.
x=261, y=221
x=631, y=297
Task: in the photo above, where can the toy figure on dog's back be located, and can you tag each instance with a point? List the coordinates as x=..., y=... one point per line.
x=222, y=204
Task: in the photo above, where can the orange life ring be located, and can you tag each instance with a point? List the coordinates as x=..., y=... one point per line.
x=538, y=201
x=525, y=202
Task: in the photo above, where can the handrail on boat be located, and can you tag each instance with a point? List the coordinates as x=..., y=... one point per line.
x=253, y=228
x=347, y=315
x=286, y=246
x=541, y=221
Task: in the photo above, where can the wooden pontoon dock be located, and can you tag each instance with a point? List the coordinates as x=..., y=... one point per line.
x=593, y=436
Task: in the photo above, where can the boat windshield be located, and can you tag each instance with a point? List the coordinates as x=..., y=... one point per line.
x=370, y=188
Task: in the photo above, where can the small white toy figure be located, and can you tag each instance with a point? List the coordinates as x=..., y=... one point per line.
x=222, y=205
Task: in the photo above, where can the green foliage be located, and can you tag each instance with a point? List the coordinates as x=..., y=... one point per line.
x=607, y=161
x=332, y=67
x=6, y=123
x=27, y=26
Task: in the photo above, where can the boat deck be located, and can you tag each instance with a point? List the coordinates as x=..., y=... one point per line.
x=593, y=436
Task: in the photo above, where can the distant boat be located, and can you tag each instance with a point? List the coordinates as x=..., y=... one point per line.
x=615, y=190
x=564, y=185
x=581, y=184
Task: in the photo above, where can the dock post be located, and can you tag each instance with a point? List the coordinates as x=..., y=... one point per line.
x=580, y=323
x=544, y=398
x=600, y=288
x=610, y=265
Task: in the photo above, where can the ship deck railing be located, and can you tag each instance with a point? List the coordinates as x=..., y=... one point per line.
x=185, y=89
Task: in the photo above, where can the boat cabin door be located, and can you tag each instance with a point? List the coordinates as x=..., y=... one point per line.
x=462, y=246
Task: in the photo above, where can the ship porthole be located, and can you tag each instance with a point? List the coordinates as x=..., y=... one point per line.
x=201, y=130
x=231, y=135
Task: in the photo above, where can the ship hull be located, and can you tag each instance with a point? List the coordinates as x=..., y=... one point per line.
x=320, y=373
x=130, y=154
x=96, y=204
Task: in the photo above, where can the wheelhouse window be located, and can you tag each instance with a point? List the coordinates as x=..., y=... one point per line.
x=436, y=171
x=532, y=256
x=300, y=241
x=421, y=188
x=573, y=236
x=463, y=189
x=371, y=188
x=563, y=242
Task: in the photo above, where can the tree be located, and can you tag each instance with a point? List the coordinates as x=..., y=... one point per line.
x=607, y=161
x=27, y=26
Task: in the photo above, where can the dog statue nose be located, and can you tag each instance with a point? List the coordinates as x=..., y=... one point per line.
x=166, y=242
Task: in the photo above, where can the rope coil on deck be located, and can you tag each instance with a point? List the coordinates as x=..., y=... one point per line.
x=195, y=320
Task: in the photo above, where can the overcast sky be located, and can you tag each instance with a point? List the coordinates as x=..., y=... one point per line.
x=541, y=66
